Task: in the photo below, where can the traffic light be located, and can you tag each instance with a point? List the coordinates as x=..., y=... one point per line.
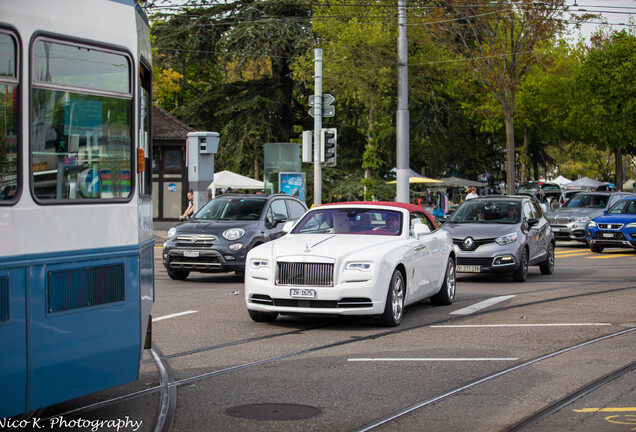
x=328, y=146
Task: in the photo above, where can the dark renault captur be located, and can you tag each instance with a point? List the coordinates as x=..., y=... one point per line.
x=219, y=235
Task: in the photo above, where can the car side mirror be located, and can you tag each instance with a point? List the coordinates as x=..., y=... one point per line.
x=278, y=218
x=442, y=220
x=532, y=222
x=420, y=229
x=288, y=226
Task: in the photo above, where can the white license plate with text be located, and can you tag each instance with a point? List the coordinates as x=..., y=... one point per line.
x=303, y=293
x=191, y=254
x=468, y=269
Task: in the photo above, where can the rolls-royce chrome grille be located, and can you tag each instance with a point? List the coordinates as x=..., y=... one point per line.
x=305, y=274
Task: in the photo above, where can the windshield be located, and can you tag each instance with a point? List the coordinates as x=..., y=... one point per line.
x=487, y=212
x=624, y=207
x=343, y=220
x=237, y=208
x=588, y=201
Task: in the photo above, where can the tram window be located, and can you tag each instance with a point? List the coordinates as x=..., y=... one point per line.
x=81, y=142
x=78, y=66
x=145, y=142
x=8, y=120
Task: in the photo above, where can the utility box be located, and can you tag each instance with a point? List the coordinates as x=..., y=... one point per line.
x=201, y=149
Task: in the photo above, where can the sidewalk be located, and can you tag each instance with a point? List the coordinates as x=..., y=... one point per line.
x=160, y=230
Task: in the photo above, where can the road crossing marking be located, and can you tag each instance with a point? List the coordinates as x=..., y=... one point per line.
x=174, y=315
x=481, y=305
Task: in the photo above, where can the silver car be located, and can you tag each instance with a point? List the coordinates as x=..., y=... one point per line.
x=570, y=221
x=501, y=234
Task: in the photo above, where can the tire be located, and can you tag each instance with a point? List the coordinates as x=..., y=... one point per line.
x=596, y=248
x=262, y=316
x=394, y=308
x=521, y=273
x=446, y=294
x=178, y=275
x=547, y=266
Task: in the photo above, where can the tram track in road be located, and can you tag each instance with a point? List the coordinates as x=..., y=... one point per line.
x=570, y=398
x=168, y=385
x=387, y=420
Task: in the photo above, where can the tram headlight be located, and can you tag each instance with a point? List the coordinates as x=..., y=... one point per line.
x=171, y=233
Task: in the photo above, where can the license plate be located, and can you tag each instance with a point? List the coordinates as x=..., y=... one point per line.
x=191, y=254
x=608, y=235
x=468, y=269
x=556, y=229
x=303, y=293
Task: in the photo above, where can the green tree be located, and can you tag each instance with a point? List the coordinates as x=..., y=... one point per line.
x=605, y=97
x=499, y=40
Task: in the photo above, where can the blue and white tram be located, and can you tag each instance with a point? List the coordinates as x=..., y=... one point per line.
x=76, y=241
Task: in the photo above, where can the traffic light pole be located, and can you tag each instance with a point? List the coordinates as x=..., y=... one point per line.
x=317, y=126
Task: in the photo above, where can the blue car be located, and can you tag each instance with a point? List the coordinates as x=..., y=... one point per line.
x=615, y=228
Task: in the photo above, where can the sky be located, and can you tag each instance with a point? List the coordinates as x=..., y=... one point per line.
x=617, y=13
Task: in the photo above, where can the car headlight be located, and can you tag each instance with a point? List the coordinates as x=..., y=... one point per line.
x=233, y=234
x=236, y=246
x=583, y=219
x=259, y=263
x=592, y=225
x=360, y=266
x=171, y=233
x=631, y=225
x=507, y=239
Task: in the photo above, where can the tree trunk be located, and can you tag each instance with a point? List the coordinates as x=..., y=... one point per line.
x=524, y=159
x=511, y=186
x=619, y=169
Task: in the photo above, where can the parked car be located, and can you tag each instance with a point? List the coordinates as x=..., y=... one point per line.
x=570, y=221
x=501, y=234
x=219, y=235
x=545, y=193
x=367, y=258
x=615, y=228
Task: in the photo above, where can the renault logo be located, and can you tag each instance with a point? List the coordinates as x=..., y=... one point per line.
x=469, y=243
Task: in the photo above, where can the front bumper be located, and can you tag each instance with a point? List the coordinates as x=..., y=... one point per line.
x=205, y=261
x=611, y=238
x=490, y=258
x=347, y=298
x=571, y=231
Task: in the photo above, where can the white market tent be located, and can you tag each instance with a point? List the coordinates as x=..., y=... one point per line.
x=228, y=179
x=629, y=185
x=561, y=181
x=585, y=183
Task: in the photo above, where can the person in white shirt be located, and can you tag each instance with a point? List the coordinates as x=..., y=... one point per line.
x=472, y=193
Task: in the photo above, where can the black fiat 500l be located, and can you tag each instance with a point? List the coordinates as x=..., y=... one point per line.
x=219, y=235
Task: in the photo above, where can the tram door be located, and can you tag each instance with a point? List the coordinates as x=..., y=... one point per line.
x=13, y=374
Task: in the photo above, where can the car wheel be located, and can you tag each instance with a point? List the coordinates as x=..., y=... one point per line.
x=178, y=275
x=394, y=308
x=547, y=266
x=521, y=273
x=596, y=248
x=262, y=316
x=446, y=294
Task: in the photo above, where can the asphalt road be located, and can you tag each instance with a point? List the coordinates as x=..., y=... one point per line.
x=502, y=353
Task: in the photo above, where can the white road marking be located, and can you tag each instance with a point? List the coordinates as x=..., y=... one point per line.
x=481, y=305
x=458, y=359
x=522, y=325
x=173, y=315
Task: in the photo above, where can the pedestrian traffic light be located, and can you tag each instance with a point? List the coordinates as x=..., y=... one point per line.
x=328, y=146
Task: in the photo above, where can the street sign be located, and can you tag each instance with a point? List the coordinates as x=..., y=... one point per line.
x=327, y=99
x=327, y=111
